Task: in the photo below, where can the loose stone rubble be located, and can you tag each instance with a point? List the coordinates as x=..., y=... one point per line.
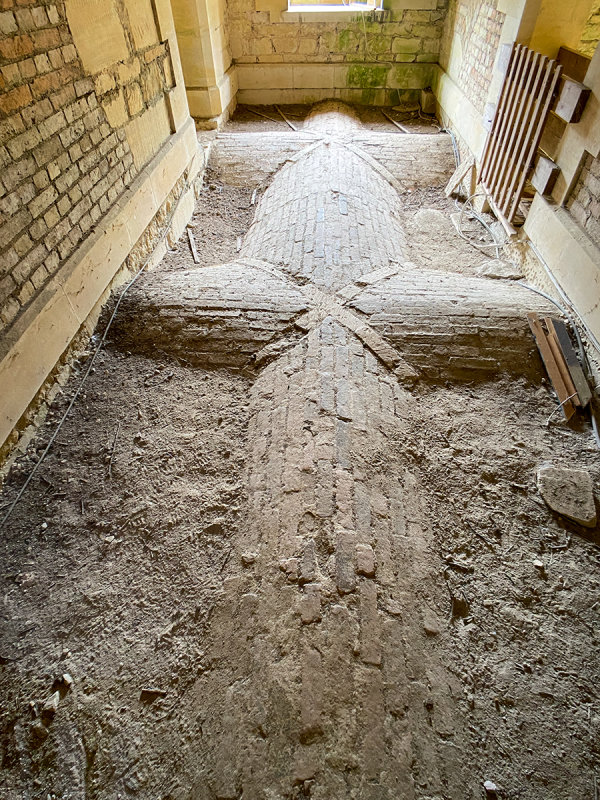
x=314, y=570
x=318, y=616
x=569, y=492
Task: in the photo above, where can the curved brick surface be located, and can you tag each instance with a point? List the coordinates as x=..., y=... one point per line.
x=449, y=325
x=327, y=217
x=415, y=160
x=323, y=682
x=324, y=674
x=332, y=117
x=220, y=316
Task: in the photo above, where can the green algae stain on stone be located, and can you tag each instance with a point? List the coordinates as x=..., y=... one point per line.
x=346, y=40
x=368, y=96
x=367, y=77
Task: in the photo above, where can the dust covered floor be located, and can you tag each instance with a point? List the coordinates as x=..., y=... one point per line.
x=298, y=577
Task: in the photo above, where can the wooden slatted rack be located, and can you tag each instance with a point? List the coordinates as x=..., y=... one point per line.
x=529, y=87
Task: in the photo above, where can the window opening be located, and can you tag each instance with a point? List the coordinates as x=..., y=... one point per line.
x=328, y=5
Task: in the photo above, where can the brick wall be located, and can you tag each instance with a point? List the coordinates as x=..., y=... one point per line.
x=392, y=36
x=476, y=26
x=584, y=203
x=69, y=140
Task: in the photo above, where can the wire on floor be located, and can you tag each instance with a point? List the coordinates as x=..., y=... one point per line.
x=90, y=366
x=468, y=203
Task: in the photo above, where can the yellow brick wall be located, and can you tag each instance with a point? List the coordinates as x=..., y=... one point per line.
x=83, y=107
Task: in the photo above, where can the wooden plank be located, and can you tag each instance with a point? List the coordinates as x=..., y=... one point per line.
x=574, y=64
x=485, y=156
x=506, y=116
x=459, y=174
x=536, y=136
x=577, y=375
x=554, y=130
x=498, y=177
x=494, y=139
x=518, y=124
x=510, y=229
x=501, y=118
x=192, y=242
x=550, y=364
x=544, y=176
x=393, y=121
x=572, y=100
x=519, y=163
x=285, y=119
x=561, y=363
x=522, y=125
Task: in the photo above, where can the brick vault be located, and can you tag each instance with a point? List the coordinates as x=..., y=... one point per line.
x=324, y=681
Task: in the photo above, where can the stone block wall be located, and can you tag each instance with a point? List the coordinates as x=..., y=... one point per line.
x=591, y=32
x=584, y=203
x=383, y=52
x=210, y=80
x=402, y=35
x=72, y=135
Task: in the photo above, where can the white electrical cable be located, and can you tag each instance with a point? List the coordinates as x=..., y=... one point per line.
x=562, y=294
x=582, y=354
x=494, y=243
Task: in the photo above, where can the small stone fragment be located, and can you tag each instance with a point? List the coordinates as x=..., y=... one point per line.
x=460, y=605
x=431, y=623
x=490, y=788
x=393, y=607
x=499, y=269
x=67, y=680
x=310, y=605
x=430, y=220
x=463, y=566
x=308, y=564
x=538, y=564
x=569, y=492
x=290, y=566
x=365, y=560
x=151, y=694
x=50, y=707
x=214, y=529
x=248, y=559
x=344, y=564
x=39, y=732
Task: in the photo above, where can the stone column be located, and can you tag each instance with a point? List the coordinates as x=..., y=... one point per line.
x=206, y=59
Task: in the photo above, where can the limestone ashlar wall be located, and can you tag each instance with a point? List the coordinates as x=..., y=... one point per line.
x=470, y=45
x=584, y=203
x=65, y=154
x=400, y=36
x=368, y=58
x=591, y=32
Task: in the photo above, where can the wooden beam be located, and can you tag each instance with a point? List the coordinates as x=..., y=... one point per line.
x=574, y=64
x=550, y=364
x=459, y=174
x=577, y=375
x=561, y=363
x=572, y=100
x=544, y=176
